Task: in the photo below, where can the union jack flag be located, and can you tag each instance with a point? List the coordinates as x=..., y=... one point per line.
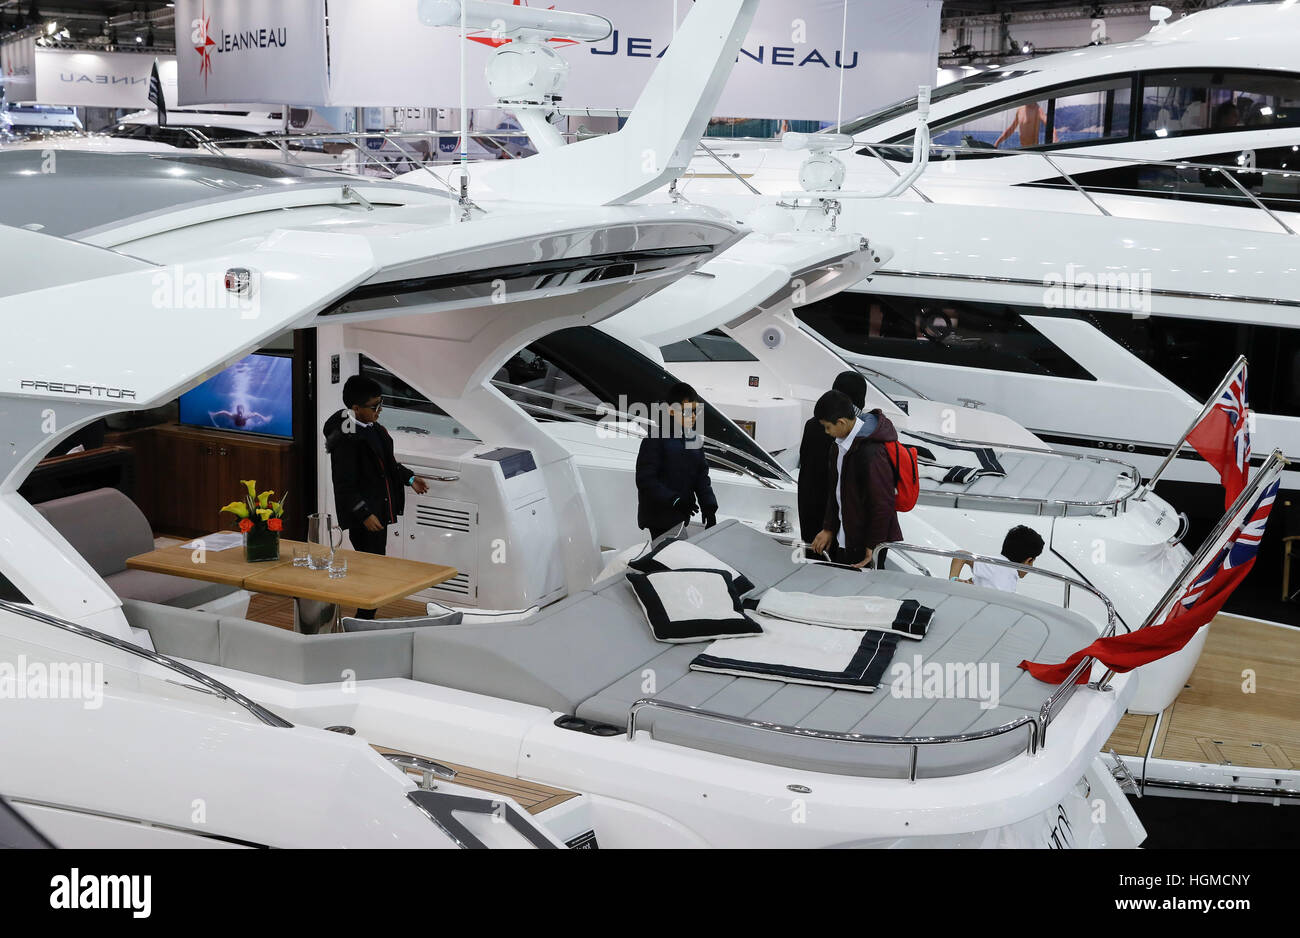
x=1201, y=599
x=1239, y=552
x=1222, y=436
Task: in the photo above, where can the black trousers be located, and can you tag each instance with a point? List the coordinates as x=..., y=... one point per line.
x=368, y=542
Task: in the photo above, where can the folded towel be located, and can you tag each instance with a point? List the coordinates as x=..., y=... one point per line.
x=905, y=617
x=952, y=475
x=948, y=462
x=797, y=653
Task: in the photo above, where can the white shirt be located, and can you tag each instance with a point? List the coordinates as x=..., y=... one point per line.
x=995, y=577
x=842, y=447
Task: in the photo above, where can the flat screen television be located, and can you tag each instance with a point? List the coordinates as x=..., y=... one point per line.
x=254, y=395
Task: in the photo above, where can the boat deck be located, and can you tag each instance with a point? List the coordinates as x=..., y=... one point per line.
x=1214, y=720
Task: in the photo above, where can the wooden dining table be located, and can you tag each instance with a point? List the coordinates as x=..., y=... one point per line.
x=372, y=580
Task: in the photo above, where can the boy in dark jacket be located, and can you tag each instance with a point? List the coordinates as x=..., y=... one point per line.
x=860, y=510
x=672, y=475
x=814, y=451
x=369, y=482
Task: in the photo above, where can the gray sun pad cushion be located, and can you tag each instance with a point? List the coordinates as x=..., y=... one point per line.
x=1040, y=476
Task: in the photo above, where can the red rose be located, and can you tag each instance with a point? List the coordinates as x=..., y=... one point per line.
x=245, y=525
x=275, y=524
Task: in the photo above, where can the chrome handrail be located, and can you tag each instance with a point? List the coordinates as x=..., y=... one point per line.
x=1112, y=617
x=888, y=377
x=610, y=411
x=913, y=742
x=1073, y=154
x=1115, y=504
x=1057, y=700
x=221, y=690
x=730, y=169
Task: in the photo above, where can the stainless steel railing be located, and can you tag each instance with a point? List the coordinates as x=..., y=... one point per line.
x=1115, y=504
x=1085, y=191
x=209, y=683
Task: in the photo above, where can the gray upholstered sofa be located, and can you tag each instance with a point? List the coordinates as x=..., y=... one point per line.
x=105, y=527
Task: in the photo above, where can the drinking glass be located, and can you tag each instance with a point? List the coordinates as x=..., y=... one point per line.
x=338, y=568
x=301, y=556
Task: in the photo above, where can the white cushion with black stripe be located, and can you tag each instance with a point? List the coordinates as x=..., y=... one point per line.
x=683, y=555
x=691, y=605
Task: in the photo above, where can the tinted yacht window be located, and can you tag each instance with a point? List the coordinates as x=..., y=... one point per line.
x=942, y=93
x=1194, y=182
x=712, y=346
x=991, y=336
x=1175, y=104
x=1093, y=112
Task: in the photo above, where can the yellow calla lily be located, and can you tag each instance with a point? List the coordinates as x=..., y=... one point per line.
x=264, y=513
x=251, y=485
x=239, y=509
x=278, y=508
x=263, y=498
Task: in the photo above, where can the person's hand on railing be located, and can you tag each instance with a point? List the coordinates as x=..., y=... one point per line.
x=821, y=542
x=710, y=519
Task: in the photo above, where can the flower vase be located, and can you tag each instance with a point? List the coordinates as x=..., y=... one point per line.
x=261, y=544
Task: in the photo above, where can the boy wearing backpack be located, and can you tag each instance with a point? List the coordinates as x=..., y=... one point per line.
x=861, y=507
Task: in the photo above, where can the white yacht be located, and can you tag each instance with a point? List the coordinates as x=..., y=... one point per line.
x=1124, y=259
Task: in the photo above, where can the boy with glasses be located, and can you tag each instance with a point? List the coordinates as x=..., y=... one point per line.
x=369, y=482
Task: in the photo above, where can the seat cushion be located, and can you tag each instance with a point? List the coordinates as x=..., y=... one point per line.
x=104, y=527
x=180, y=633
x=165, y=590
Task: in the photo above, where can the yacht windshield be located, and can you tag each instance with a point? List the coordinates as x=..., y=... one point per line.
x=942, y=93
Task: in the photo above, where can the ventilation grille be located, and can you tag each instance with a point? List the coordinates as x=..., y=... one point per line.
x=459, y=584
x=447, y=519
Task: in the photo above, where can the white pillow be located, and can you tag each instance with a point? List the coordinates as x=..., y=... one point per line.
x=691, y=605
x=683, y=555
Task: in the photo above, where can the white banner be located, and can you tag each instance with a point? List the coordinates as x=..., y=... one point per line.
x=380, y=54
x=18, y=69
x=233, y=51
x=101, y=79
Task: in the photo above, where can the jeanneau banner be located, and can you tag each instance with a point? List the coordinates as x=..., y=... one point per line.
x=101, y=79
x=789, y=67
x=18, y=69
x=232, y=51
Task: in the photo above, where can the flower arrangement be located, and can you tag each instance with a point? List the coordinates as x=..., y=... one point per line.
x=261, y=520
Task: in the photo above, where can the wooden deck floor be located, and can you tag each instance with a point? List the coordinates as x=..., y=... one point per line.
x=1218, y=718
x=533, y=797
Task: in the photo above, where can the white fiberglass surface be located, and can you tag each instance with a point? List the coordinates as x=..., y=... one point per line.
x=83, y=674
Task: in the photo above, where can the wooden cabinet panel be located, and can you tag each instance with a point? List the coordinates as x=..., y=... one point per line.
x=191, y=473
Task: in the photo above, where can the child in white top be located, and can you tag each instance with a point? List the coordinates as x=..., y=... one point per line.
x=1022, y=545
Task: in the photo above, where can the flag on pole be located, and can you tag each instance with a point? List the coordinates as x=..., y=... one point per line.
x=156, y=95
x=1200, y=600
x=1222, y=436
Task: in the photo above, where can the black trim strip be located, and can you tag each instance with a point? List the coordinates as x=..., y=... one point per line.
x=1138, y=449
x=393, y=288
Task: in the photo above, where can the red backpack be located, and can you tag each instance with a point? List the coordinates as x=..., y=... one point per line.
x=907, y=474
